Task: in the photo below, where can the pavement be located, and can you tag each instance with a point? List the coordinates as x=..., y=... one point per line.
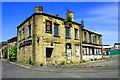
x=106, y=65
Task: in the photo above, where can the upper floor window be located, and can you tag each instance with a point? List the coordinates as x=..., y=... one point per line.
x=95, y=39
x=99, y=40
x=56, y=29
x=76, y=33
x=23, y=34
x=29, y=30
x=48, y=26
x=90, y=39
x=67, y=29
x=19, y=35
x=85, y=36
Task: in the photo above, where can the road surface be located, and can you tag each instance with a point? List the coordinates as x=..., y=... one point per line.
x=13, y=71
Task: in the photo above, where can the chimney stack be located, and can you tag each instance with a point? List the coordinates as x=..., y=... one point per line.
x=70, y=14
x=38, y=9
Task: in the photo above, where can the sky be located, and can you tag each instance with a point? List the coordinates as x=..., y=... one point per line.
x=100, y=17
x=60, y=0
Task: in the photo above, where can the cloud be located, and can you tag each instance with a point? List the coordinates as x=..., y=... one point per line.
x=104, y=20
x=108, y=33
x=109, y=37
x=105, y=14
x=60, y=1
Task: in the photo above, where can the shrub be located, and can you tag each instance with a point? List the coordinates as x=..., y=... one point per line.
x=5, y=52
x=82, y=22
x=13, y=53
x=62, y=63
x=30, y=61
x=67, y=21
x=84, y=61
x=69, y=17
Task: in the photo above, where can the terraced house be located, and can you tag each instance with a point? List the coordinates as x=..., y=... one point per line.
x=49, y=39
x=91, y=45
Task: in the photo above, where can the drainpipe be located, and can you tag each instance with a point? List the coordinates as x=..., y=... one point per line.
x=33, y=39
x=81, y=38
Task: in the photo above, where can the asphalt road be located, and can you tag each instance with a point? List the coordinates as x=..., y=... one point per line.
x=13, y=71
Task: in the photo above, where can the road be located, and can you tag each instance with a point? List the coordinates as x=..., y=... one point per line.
x=13, y=71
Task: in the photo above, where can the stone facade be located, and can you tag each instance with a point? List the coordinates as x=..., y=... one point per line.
x=91, y=45
x=45, y=39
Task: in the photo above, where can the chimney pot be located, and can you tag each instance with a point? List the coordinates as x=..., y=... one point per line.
x=70, y=13
x=38, y=9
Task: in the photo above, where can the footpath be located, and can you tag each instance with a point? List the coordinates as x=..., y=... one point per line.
x=110, y=64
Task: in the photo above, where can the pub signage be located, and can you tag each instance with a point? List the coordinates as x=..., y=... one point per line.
x=48, y=26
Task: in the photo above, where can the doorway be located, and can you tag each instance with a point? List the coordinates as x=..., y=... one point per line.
x=49, y=52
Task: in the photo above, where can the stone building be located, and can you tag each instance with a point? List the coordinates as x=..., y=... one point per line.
x=48, y=39
x=91, y=45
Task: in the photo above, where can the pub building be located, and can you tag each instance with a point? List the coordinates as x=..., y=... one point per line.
x=46, y=39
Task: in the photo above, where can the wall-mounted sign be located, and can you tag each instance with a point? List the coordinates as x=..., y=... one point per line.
x=68, y=54
x=29, y=42
x=25, y=43
x=48, y=26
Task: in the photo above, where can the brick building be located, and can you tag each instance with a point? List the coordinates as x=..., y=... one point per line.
x=44, y=38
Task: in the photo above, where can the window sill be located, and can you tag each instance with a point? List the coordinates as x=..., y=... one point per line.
x=68, y=38
x=29, y=37
x=19, y=41
x=85, y=41
x=76, y=39
x=90, y=42
x=23, y=39
x=56, y=36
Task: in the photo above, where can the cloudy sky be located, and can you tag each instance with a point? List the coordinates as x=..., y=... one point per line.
x=100, y=17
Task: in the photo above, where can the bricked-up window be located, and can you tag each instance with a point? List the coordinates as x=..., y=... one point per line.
x=29, y=30
x=90, y=39
x=85, y=36
x=56, y=29
x=48, y=27
x=67, y=29
x=76, y=33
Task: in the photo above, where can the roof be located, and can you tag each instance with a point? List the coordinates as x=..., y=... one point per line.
x=3, y=44
x=92, y=32
x=117, y=44
x=13, y=39
x=106, y=45
x=45, y=14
